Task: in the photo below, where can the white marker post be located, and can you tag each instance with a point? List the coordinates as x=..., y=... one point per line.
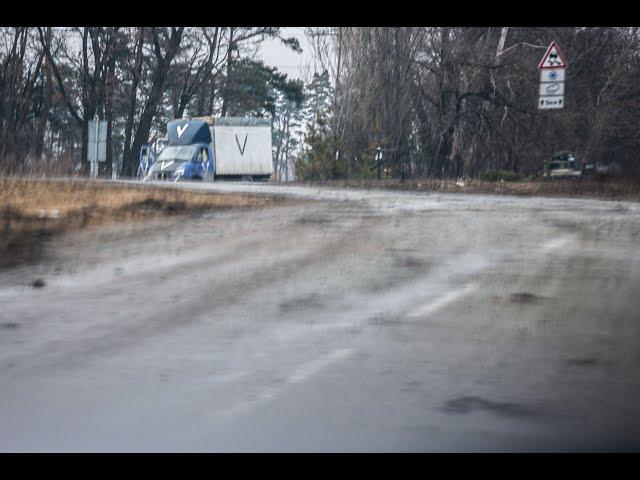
x=552, y=72
x=378, y=159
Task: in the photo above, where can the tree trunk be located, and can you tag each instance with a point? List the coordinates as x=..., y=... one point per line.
x=127, y=157
x=110, y=82
x=155, y=94
x=227, y=83
x=48, y=90
x=146, y=119
x=175, y=103
x=212, y=97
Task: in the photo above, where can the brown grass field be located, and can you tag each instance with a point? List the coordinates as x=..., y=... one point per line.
x=34, y=210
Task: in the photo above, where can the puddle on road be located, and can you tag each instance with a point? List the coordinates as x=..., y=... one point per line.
x=385, y=321
x=409, y=261
x=471, y=403
x=525, y=297
x=10, y=325
x=313, y=220
x=300, y=303
x=583, y=362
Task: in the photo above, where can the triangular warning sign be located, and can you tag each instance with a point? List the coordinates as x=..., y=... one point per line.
x=553, y=58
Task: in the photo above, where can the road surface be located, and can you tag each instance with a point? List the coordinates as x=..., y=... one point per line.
x=347, y=321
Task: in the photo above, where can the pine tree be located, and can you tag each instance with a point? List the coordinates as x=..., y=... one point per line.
x=321, y=158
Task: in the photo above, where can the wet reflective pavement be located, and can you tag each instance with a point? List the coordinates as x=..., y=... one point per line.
x=357, y=321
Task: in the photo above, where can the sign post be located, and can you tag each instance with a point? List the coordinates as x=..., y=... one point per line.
x=97, y=144
x=552, y=72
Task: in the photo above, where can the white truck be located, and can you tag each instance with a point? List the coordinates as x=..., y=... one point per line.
x=206, y=148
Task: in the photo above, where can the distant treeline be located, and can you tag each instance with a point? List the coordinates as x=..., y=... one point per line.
x=451, y=102
x=53, y=81
x=440, y=102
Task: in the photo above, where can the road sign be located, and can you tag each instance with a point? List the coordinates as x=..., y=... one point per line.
x=556, y=101
x=552, y=75
x=552, y=72
x=552, y=58
x=97, y=141
x=552, y=88
x=96, y=144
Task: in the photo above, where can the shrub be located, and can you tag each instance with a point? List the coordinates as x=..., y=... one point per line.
x=319, y=162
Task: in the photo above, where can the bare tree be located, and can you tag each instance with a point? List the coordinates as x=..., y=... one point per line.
x=166, y=43
x=96, y=55
x=460, y=101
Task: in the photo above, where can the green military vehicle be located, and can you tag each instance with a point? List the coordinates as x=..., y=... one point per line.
x=564, y=165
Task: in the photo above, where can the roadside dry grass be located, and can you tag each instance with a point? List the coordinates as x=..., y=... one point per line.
x=34, y=210
x=581, y=188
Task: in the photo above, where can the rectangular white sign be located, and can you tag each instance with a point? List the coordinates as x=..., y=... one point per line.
x=97, y=150
x=552, y=88
x=556, y=101
x=553, y=75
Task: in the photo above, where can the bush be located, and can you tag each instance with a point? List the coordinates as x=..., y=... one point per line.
x=319, y=162
x=500, y=175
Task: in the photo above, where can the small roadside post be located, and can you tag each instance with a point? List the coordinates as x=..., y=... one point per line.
x=378, y=159
x=552, y=73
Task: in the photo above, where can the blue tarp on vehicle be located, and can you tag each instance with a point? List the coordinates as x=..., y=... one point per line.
x=188, y=132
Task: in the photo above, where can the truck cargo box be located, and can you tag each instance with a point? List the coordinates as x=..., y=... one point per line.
x=242, y=146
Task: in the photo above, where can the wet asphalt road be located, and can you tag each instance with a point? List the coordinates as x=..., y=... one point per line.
x=350, y=321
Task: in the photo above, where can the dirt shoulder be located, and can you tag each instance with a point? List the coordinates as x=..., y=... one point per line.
x=33, y=210
x=579, y=188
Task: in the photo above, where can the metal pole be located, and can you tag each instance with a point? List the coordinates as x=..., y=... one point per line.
x=114, y=173
x=94, y=160
x=89, y=159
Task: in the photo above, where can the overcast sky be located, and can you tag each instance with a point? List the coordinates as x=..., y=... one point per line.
x=274, y=53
